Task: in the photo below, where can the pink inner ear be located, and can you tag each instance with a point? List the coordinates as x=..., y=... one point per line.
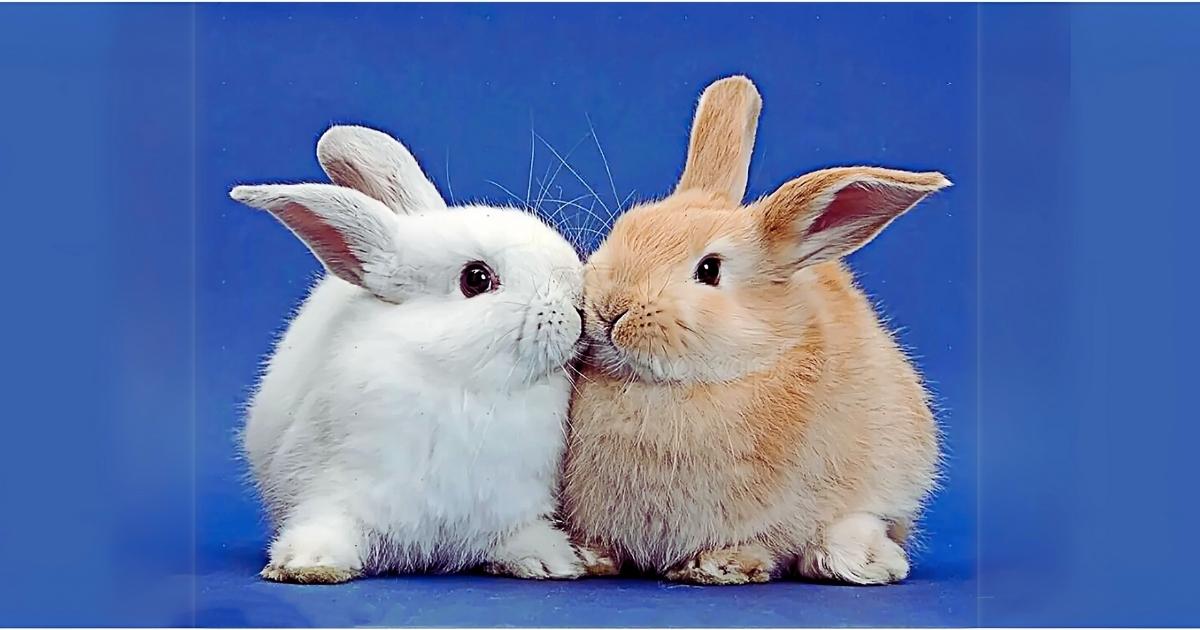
x=866, y=204
x=343, y=173
x=324, y=239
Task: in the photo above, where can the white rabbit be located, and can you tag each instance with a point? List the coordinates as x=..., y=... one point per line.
x=412, y=416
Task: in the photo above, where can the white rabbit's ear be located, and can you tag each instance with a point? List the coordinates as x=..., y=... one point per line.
x=722, y=139
x=378, y=166
x=353, y=235
x=828, y=214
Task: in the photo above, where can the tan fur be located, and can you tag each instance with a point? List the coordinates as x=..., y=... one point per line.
x=598, y=561
x=722, y=138
x=728, y=565
x=772, y=412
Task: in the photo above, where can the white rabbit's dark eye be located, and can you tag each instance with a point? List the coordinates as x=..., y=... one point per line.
x=477, y=278
x=709, y=271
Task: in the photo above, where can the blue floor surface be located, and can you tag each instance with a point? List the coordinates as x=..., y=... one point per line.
x=230, y=594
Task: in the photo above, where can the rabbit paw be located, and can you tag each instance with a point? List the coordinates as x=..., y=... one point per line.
x=857, y=550
x=537, y=552
x=598, y=561
x=729, y=565
x=313, y=554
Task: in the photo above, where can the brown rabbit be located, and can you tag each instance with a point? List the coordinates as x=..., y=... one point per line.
x=742, y=413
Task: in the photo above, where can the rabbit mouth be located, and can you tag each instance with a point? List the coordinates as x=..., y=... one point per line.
x=644, y=363
x=635, y=343
x=624, y=362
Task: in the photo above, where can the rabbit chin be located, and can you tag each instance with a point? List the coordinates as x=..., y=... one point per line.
x=542, y=359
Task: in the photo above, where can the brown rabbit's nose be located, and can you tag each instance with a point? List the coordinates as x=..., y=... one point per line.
x=610, y=324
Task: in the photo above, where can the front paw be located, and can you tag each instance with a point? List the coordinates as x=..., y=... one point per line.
x=744, y=564
x=313, y=554
x=305, y=573
x=598, y=561
x=538, y=552
x=857, y=550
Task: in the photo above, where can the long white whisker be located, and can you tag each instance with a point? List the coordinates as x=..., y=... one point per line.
x=588, y=230
x=549, y=182
x=627, y=198
x=576, y=174
x=532, y=153
x=575, y=200
x=616, y=197
x=557, y=211
x=449, y=184
x=576, y=205
x=560, y=225
x=509, y=192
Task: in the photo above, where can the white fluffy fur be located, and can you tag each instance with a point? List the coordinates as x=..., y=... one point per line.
x=399, y=425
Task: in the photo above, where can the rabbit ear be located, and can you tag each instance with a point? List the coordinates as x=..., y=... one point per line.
x=353, y=235
x=828, y=214
x=722, y=139
x=378, y=166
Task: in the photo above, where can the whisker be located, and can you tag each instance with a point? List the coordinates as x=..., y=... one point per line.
x=532, y=154
x=449, y=184
x=576, y=174
x=578, y=372
x=562, y=162
x=627, y=198
x=510, y=193
x=586, y=230
x=557, y=210
x=576, y=205
x=604, y=159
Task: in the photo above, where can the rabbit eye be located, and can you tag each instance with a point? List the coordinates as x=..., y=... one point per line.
x=709, y=271
x=477, y=278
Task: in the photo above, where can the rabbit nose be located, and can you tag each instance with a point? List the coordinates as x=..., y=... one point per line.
x=612, y=323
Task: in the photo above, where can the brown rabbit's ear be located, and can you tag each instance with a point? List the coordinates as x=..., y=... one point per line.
x=722, y=139
x=828, y=214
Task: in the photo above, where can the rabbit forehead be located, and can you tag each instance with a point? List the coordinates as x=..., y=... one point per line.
x=500, y=236
x=670, y=233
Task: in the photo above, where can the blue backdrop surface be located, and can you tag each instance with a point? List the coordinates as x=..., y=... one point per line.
x=1056, y=345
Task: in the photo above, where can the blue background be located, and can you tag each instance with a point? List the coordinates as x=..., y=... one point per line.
x=1046, y=295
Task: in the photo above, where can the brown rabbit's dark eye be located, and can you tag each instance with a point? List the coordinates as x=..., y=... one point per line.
x=477, y=278
x=709, y=271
